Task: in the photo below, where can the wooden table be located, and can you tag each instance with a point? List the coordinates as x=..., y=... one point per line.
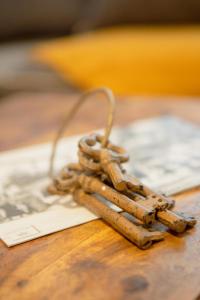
x=92, y=261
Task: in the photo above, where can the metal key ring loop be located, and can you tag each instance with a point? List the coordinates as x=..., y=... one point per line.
x=111, y=101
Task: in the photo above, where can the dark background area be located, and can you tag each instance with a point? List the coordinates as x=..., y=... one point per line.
x=24, y=18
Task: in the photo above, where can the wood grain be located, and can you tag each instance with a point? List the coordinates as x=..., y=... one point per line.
x=92, y=261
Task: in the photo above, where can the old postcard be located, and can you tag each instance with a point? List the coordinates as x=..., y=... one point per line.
x=164, y=152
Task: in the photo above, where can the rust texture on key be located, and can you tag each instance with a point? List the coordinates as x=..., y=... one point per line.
x=98, y=175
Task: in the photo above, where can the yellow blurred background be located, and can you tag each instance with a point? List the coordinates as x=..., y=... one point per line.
x=130, y=60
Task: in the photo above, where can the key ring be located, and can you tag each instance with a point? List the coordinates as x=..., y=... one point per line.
x=98, y=175
x=110, y=116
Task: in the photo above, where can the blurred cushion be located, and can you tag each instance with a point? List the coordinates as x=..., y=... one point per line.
x=130, y=60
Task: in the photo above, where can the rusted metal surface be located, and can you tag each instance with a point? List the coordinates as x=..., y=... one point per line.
x=99, y=172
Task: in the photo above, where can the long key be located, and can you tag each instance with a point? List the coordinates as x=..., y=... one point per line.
x=93, y=185
x=136, y=234
x=123, y=182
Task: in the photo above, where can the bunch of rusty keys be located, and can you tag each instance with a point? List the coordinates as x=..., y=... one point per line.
x=100, y=173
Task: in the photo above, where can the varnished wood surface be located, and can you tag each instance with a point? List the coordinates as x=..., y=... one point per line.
x=92, y=261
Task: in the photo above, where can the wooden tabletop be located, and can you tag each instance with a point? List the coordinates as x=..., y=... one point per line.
x=92, y=261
